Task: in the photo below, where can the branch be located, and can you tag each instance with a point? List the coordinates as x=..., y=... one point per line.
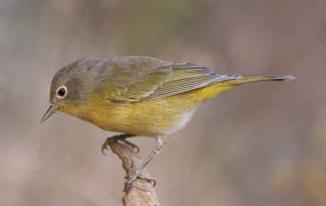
x=140, y=192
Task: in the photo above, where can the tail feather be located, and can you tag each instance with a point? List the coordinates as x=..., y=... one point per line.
x=248, y=79
x=233, y=81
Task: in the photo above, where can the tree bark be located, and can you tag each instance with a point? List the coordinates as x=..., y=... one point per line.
x=140, y=192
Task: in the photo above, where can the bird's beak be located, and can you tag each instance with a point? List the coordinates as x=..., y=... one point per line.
x=51, y=110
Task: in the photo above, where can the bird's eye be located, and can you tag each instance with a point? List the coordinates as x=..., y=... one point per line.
x=62, y=91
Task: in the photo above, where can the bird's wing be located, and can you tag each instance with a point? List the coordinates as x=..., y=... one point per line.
x=132, y=79
x=186, y=77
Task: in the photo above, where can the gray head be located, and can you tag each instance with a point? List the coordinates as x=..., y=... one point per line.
x=71, y=84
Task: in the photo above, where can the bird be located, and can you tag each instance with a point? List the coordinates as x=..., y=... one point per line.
x=139, y=95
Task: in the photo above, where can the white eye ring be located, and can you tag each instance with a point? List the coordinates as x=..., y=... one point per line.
x=61, y=92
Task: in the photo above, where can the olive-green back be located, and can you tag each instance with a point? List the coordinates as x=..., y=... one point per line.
x=132, y=78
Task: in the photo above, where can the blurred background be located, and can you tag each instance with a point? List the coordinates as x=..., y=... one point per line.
x=260, y=144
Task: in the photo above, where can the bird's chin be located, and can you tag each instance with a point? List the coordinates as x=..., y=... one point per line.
x=77, y=110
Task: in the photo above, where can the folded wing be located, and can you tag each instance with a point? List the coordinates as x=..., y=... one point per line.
x=142, y=78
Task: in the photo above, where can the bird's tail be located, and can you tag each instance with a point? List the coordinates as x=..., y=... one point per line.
x=247, y=79
x=234, y=81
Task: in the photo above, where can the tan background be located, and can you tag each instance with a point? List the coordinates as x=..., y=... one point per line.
x=261, y=144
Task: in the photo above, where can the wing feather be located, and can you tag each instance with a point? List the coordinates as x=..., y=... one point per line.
x=187, y=77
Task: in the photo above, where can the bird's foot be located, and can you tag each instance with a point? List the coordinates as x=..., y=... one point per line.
x=130, y=144
x=139, y=175
x=123, y=138
x=106, y=144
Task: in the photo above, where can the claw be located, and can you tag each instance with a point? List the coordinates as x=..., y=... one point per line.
x=132, y=145
x=121, y=137
x=132, y=177
x=105, y=146
x=138, y=175
x=150, y=180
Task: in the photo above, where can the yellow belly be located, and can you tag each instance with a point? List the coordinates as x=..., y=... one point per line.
x=147, y=117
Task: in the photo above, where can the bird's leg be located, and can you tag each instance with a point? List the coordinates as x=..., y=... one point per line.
x=121, y=137
x=137, y=173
